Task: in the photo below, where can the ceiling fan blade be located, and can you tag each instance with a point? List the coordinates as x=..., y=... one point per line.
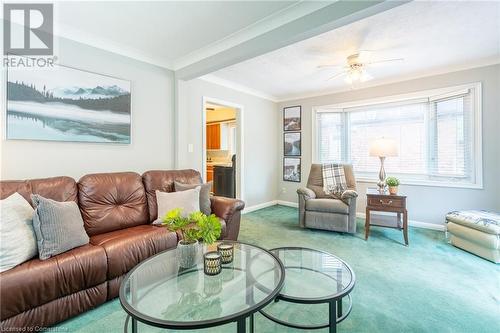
x=384, y=61
x=365, y=56
x=337, y=75
x=326, y=66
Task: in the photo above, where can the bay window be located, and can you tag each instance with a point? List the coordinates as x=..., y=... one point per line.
x=438, y=133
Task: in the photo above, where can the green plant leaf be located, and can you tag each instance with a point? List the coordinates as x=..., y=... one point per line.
x=191, y=235
x=174, y=221
x=197, y=225
x=392, y=181
x=210, y=228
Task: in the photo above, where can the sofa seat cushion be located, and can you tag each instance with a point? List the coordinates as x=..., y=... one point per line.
x=37, y=282
x=327, y=206
x=481, y=220
x=127, y=247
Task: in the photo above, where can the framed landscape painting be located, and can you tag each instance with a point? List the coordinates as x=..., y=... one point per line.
x=291, y=143
x=67, y=104
x=292, y=118
x=291, y=169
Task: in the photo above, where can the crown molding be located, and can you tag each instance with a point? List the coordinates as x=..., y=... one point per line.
x=237, y=87
x=494, y=60
x=283, y=16
x=80, y=36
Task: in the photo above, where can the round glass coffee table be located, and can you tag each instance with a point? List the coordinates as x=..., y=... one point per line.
x=159, y=293
x=312, y=277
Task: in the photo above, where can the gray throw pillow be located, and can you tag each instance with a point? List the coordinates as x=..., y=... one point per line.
x=58, y=226
x=205, y=204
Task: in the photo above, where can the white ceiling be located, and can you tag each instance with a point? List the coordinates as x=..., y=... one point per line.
x=432, y=37
x=166, y=33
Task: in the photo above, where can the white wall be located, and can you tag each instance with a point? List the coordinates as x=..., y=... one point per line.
x=425, y=203
x=261, y=168
x=152, y=124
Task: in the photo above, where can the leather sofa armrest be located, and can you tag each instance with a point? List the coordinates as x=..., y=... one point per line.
x=229, y=210
x=307, y=193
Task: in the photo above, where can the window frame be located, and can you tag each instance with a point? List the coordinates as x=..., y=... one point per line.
x=431, y=95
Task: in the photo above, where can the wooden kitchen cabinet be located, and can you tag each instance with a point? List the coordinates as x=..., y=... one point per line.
x=213, y=136
x=210, y=175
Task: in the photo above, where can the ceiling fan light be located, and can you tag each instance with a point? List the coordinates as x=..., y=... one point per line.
x=348, y=79
x=365, y=77
x=355, y=75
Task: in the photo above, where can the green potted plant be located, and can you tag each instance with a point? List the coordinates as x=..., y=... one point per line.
x=192, y=228
x=393, y=184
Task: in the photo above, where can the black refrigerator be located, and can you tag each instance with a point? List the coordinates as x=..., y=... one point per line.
x=225, y=179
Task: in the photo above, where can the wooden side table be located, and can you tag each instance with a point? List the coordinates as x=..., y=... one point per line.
x=385, y=202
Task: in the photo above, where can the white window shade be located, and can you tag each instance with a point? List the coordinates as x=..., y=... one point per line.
x=436, y=134
x=330, y=136
x=451, y=149
x=404, y=123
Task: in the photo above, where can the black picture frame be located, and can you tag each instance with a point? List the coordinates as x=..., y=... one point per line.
x=292, y=122
x=288, y=147
x=298, y=175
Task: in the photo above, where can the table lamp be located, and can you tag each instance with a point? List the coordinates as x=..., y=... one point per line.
x=383, y=148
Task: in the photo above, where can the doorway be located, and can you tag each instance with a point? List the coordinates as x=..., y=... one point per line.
x=222, y=147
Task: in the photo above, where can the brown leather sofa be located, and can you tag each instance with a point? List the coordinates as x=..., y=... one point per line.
x=117, y=210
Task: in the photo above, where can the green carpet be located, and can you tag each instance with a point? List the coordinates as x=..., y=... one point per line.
x=429, y=286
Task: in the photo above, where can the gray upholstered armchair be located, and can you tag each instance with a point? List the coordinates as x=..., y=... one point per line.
x=319, y=210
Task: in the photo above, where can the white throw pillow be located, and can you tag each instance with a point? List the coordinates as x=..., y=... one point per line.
x=17, y=237
x=188, y=201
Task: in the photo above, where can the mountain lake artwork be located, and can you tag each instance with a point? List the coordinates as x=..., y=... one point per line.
x=67, y=104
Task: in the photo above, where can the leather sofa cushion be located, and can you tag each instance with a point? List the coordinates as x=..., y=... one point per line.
x=112, y=201
x=327, y=206
x=56, y=188
x=127, y=247
x=164, y=181
x=37, y=282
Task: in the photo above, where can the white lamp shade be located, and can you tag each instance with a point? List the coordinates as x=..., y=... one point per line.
x=383, y=147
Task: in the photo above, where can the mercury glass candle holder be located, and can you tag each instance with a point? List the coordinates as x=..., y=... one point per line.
x=226, y=251
x=212, y=263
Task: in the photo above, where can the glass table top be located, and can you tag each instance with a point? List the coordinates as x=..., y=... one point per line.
x=313, y=275
x=158, y=291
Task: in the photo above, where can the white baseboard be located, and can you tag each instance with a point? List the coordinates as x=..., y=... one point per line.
x=259, y=206
x=287, y=203
x=413, y=223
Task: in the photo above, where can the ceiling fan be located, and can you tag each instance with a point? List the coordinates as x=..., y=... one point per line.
x=356, y=68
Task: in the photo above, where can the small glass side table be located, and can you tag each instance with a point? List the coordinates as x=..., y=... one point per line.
x=313, y=277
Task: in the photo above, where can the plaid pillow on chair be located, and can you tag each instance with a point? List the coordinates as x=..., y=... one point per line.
x=334, y=181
